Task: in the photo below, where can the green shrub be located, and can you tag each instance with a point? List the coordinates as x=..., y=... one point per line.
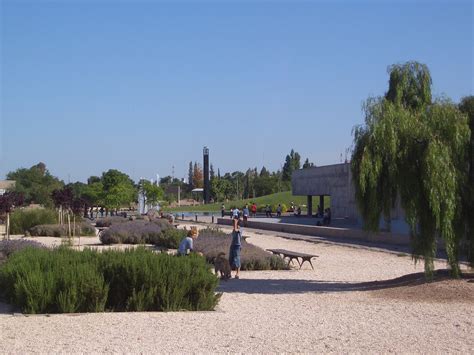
x=169, y=238
x=65, y=280
x=57, y=230
x=22, y=220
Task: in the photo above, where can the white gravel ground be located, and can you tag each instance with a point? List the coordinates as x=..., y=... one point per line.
x=322, y=311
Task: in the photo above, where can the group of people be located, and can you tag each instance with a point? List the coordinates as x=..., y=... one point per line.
x=187, y=244
x=245, y=213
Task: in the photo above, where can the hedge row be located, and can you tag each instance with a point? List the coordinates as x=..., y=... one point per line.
x=57, y=230
x=67, y=281
x=21, y=221
x=159, y=232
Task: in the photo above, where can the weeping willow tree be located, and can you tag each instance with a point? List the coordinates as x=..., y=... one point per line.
x=414, y=149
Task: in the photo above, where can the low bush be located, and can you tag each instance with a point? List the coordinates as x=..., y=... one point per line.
x=8, y=247
x=108, y=221
x=168, y=238
x=64, y=280
x=135, y=232
x=58, y=230
x=211, y=242
x=22, y=220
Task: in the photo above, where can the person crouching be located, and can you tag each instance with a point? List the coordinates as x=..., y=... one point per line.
x=187, y=244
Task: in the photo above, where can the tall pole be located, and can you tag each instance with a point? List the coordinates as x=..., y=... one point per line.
x=206, y=175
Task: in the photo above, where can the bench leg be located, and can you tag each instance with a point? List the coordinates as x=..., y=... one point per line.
x=300, y=264
x=308, y=260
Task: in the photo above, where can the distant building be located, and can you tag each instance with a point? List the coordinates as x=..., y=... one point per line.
x=6, y=185
x=336, y=181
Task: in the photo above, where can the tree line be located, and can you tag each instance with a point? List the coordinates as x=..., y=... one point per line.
x=252, y=183
x=115, y=189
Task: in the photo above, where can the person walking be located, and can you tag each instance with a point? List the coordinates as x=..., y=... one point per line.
x=268, y=211
x=235, y=246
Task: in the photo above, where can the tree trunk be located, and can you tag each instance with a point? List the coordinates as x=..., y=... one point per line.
x=7, y=227
x=69, y=225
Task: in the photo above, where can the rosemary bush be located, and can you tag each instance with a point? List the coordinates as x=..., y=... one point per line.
x=64, y=280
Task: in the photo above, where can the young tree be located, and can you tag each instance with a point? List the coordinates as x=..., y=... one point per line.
x=413, y=149
x=191, y=175
x=8, y=201
x=212, y=174
x=198, y=177
x=292, y=163
x=118, y=189
x=307, y=164
x=153, y=193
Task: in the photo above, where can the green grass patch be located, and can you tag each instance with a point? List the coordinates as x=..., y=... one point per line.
x=285, y=197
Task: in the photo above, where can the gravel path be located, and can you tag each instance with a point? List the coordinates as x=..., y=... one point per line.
x=329, y=309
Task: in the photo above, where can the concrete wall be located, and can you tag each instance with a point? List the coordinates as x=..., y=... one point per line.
x=333, y=180
x=336, y=181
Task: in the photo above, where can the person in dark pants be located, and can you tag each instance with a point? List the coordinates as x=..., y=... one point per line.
x=268, y=211
x=235, y=246
x=222, y=210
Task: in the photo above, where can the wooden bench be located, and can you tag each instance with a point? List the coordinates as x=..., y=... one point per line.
x=294, y=255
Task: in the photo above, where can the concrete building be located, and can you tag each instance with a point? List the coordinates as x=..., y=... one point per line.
x=336, y=181
x=6, y=185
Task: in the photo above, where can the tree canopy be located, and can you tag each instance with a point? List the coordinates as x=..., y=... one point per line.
x=36, y=184
x=413, y=149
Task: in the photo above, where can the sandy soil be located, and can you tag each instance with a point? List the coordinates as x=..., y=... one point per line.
x=356, y=300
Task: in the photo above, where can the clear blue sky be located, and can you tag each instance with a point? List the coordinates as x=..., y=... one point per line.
x=142, y=86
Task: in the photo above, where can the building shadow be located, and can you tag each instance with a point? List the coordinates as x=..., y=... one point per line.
x=298, y=286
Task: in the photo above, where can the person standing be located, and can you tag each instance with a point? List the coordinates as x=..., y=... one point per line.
x=235, y=213
x=253, y=208
x=235, y=246
x=245, y=213
x=222, y=211
x=279, y=210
